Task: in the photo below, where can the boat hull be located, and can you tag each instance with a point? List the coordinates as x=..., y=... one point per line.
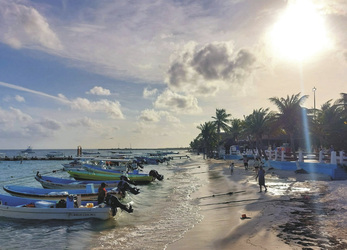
x=61, y=183
x=18, y=208
x=85, y=175
x=55, y=194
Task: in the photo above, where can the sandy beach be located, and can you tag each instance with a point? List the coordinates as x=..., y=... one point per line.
x=299, y=211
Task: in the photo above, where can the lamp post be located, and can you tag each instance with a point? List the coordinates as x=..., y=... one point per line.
x=314, y=102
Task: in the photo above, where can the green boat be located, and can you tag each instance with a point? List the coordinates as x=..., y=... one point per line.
x=137, y=178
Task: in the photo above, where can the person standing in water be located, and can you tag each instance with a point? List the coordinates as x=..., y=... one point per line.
x=261, y=176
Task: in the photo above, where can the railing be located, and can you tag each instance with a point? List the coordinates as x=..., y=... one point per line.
x=332, y=158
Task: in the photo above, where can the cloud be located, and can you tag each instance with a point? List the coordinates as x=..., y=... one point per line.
x=15, y=123
x=177, y=103
x=85, y=122
x=113, y=109
x=148, y=93
x=155, y=116
x=19, y=98
x=105, y=106
x=24, y=26
x=149, y=115
x=59, y=98
x=17, y=114
x=49, y=124
x=203, y=71
x=99, y=91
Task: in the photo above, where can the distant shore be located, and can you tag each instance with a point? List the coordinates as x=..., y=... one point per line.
x=298, y=211
x=36, y=158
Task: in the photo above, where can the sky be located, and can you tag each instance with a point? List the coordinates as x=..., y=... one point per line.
x=145, y=74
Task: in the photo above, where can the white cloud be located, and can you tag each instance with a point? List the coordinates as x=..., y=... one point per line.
x=148, y=93
x=19, y=98
x=97, y=90
x=177, y=103
x=17, y=114
x=85, y=122
x=24, y=26
x=15, y=123
x=149, y=115
x=104, y=106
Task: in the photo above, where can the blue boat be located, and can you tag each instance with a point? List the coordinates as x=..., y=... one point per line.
x=88, y=194
x=63, y=183
x=70, y=209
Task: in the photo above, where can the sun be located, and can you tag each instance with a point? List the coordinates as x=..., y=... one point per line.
x=300, y=32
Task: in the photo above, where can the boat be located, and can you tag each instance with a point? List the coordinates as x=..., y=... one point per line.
x=50, y=182
x=55, y=154
x=77, y=163
x=29, y=150
x=119, y=165
x=89, y=193
x=137, y=178
x=70, y=209
x=91, y=153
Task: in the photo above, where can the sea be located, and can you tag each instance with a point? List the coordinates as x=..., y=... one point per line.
x=163, y=211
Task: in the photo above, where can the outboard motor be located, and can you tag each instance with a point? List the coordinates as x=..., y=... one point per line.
x=156, y=175
x=38, y=174
x=124, y=186
x=113, y=202
x=125, y=178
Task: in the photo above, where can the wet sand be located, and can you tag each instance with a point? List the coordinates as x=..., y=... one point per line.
x=299, y=211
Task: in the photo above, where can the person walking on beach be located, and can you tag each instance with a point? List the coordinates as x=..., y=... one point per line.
x=102, y=193
x=245, y=162
x=232, y=168
x=261, y=176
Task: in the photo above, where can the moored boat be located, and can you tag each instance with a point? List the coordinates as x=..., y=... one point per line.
x=62, y=183
x=29, y=150
x=77, y=163
x=55, y=154
x=70, y=209
x=89, y=193
x=137, y=178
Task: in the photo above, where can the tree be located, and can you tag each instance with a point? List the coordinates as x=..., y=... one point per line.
x=256, y=124
x=329, y=126
x=221, y=122
x=290, y=115
x=236, y=129
x=208, y=136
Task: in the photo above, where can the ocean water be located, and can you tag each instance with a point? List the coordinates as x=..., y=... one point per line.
x=163, y=211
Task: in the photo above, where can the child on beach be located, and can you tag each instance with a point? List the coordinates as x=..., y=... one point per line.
x=261, y=176
x=232, y=168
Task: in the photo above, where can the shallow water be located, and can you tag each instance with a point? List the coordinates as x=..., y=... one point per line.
x=163, y=211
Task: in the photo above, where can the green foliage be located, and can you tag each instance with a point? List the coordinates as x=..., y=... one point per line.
x=328, y=125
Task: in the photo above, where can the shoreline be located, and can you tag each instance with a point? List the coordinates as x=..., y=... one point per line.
x=298, y=211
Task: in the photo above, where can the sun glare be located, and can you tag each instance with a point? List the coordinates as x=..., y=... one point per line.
x=300, y=33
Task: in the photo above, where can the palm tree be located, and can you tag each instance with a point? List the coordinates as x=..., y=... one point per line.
x=257, y=124
x=208, y=137
x=329, y=125
x=236, y=129
x=289, y=116
x=221, y=122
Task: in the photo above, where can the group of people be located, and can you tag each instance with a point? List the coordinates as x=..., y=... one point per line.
x=259, y=169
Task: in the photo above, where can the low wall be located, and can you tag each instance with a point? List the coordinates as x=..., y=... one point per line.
x=319, y=168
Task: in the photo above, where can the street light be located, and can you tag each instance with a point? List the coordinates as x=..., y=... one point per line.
x=314, y=102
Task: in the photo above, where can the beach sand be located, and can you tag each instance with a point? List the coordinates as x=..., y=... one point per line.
x=299, y=211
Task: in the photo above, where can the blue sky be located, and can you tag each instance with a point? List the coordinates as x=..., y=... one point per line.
x=145, y=74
